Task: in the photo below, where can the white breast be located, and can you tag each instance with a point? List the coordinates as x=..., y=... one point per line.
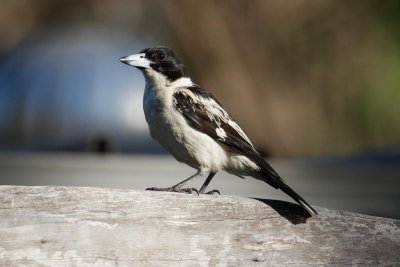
x=171, y=130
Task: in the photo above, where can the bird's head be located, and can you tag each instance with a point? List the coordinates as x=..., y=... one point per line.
x=157, y=62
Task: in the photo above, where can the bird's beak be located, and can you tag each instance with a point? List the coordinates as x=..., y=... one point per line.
x=137, y=60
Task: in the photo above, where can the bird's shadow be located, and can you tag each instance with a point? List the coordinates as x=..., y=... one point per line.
x=292, y=212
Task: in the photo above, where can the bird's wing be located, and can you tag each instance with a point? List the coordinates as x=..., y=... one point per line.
x=204, y=113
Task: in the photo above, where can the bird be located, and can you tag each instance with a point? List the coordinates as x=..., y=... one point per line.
x=192, y=125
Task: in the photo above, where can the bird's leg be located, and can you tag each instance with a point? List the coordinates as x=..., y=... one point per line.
x=207, y=181
x=178, y=186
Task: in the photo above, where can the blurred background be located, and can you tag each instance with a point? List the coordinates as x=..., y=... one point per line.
x=315, y=85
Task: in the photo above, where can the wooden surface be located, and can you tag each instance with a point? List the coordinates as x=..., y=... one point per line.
x=78, y=226
x=370, y=187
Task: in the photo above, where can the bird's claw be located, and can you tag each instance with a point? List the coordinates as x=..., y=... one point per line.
x=174, y=189
x=212, y=192
x=187, y=190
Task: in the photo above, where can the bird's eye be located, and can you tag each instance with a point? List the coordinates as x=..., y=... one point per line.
x=161, y=56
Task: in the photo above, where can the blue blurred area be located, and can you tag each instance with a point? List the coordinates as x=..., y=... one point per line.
x=66, y=90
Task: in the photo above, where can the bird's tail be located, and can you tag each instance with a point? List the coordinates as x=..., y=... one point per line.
x=271, y=177
x=285, y=188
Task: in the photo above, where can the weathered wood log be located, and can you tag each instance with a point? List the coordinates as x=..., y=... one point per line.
x=75, y=226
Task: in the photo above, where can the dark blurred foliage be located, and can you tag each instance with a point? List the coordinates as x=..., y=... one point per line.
x=301, y=77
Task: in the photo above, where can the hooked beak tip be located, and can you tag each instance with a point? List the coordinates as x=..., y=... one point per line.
x=137, y=61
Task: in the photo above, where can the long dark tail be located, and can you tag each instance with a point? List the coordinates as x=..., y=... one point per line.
x=285, y=188
x=271, y=177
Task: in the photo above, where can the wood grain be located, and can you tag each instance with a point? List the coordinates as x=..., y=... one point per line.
x=81, y=226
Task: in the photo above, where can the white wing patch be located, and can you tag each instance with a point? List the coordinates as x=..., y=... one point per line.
x=221, y=133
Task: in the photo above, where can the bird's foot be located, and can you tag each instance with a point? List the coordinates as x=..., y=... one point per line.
x=174, y=189
x=212, y=192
